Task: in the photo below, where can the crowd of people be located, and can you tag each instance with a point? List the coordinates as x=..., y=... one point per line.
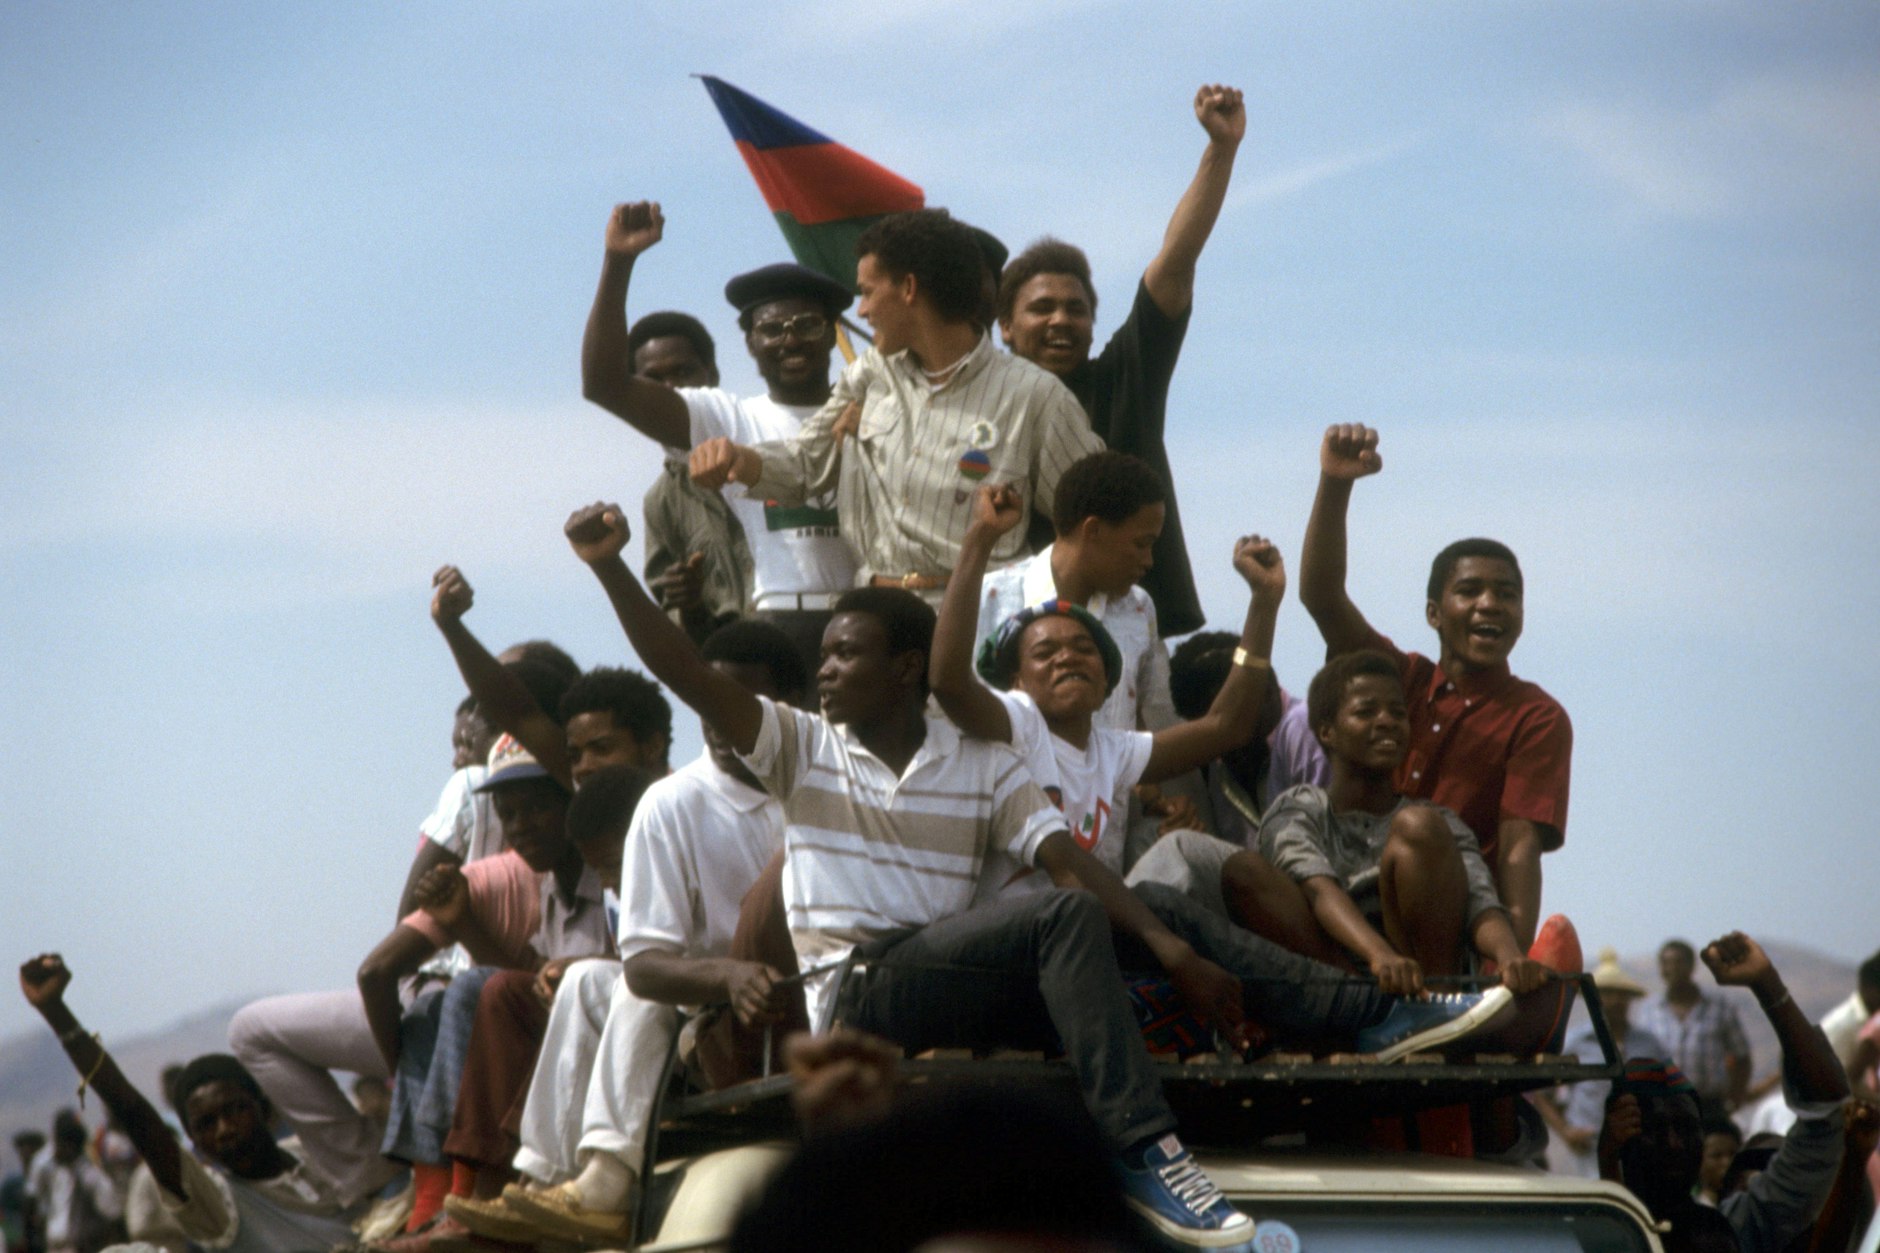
x=956, y=792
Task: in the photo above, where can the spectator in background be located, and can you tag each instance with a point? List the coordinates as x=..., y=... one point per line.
x=16, y=1211
x=1047, y=314
x=1493, y=748
x=80, y=1208
x=1651, y=1141
x=1575, y=1122
x=1701, y=1033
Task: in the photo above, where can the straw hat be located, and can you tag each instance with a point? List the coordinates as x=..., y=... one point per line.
x=1609, y=976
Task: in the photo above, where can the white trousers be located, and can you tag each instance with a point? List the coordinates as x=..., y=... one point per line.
x=602, y=1064
x=292, y=1045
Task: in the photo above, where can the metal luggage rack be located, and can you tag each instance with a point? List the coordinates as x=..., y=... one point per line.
x=1218, y=1098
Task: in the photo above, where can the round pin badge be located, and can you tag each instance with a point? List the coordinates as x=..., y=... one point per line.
x=983, y=435
x=1276, y=1237
x=975, y=465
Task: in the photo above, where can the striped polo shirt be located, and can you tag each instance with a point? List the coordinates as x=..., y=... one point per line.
x=868, y=852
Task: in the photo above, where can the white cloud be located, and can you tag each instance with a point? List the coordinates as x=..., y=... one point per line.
x=1297, y=179
x=1771, y=143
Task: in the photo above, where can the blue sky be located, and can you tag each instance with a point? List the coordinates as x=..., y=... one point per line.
x=291, y=305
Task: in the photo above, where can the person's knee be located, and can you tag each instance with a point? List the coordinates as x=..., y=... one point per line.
x=1074, y=909
x=1421, y=832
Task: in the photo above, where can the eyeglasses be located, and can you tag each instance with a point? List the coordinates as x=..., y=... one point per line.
x=803, y=326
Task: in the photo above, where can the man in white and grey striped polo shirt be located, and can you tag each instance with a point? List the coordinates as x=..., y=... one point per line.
x=942, y=410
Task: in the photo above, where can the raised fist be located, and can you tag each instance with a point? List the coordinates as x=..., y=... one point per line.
x=718, y=461
x=451, y=595
x=43, y=980
x=1222, y=113
x=997, y=507
x=1349, y=452
x=1258, y=561
x=633, y=228
x=597, y=532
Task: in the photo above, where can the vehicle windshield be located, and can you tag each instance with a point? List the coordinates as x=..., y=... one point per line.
x=1345, y=1226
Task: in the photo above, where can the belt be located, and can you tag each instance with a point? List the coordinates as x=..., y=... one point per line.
x=910, y=582
x=795, y=602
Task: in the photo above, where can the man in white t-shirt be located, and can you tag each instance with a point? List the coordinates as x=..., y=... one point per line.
x=788, y=316
x=698, y=841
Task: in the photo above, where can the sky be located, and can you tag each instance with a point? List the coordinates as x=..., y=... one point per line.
x=290, y=309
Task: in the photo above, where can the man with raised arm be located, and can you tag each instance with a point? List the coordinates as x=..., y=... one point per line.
x=788, y=316
x=941, y=410
x=1653, y=1142
x=1494, y=748
x=240, y=1190
x=889, y=816
x=1047, y=313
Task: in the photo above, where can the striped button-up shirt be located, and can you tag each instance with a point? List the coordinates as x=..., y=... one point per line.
x=1699, y=1040
x=905, y=480
x=868, y=852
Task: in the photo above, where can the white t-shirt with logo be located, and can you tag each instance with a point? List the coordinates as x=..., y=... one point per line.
x=794, y=549
x=1091, y=785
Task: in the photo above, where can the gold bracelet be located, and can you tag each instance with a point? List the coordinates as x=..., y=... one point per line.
x=1244, y=658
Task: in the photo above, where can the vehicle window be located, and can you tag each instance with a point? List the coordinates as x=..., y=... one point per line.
x=1367, y=1227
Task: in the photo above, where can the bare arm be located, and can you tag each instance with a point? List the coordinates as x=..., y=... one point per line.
x=607, y=377
x=1170, y=277
x=753, y=990
x=1518, y=876
x=968, y=702
x=1210, y=992
x=43, y=981
x=397, y=955
x=430, y=855
x=1494, y=938
x=1229, y=721
x=1735, y=960
x=1347, y=454
x=598, y=534
x=499, y=694
x=1341, y=919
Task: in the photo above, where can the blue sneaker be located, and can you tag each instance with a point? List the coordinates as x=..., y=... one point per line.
x=1439, y=1018
x=1170, y=1192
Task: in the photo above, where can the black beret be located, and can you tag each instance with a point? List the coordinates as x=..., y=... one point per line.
x=785, y=279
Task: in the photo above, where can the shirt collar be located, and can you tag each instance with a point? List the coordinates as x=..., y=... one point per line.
x=942, y=740
x=1474, y=685
x=976, y=360
x=1040, y=584
x=740, y=795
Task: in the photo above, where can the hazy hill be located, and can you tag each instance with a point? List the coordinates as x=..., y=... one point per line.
x=36, y=1080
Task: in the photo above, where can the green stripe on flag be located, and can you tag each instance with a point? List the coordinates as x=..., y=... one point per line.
x=827, y=248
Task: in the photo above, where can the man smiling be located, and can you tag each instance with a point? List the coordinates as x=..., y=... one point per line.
x=1491, y=747
x=788, y=316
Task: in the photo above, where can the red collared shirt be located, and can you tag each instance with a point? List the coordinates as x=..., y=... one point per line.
x=1492, y=748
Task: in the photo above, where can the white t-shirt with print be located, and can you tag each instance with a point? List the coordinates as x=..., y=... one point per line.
x=794, y=549
x=1091, y=785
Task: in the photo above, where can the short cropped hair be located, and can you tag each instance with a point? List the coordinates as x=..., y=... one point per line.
x=941, y=254
x=1869, y=976
x=671, y=324
x=905, y=618
x=1044, y=256
x=213, y=1068
x=748, y=642
x=1327, y=689
x=546, y=683
x=635, y=701
x=1112, y=486
x=1444, y=567
x=1678, y=946
x=1197, y=670
x=604, y=803
x=468, y=705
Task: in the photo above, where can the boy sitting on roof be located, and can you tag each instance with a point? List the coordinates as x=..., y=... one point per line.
x=1356, y=874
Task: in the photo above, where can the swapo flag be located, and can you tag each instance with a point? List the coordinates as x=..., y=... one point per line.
x=823, y=194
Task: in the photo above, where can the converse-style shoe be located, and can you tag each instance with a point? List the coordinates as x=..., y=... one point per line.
x=1168, y=1190
x=1438, y=1019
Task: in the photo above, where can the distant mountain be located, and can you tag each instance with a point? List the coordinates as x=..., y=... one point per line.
x=36, y=1079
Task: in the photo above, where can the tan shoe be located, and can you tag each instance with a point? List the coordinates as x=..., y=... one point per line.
x=555, y=1212
x=493, y=1219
